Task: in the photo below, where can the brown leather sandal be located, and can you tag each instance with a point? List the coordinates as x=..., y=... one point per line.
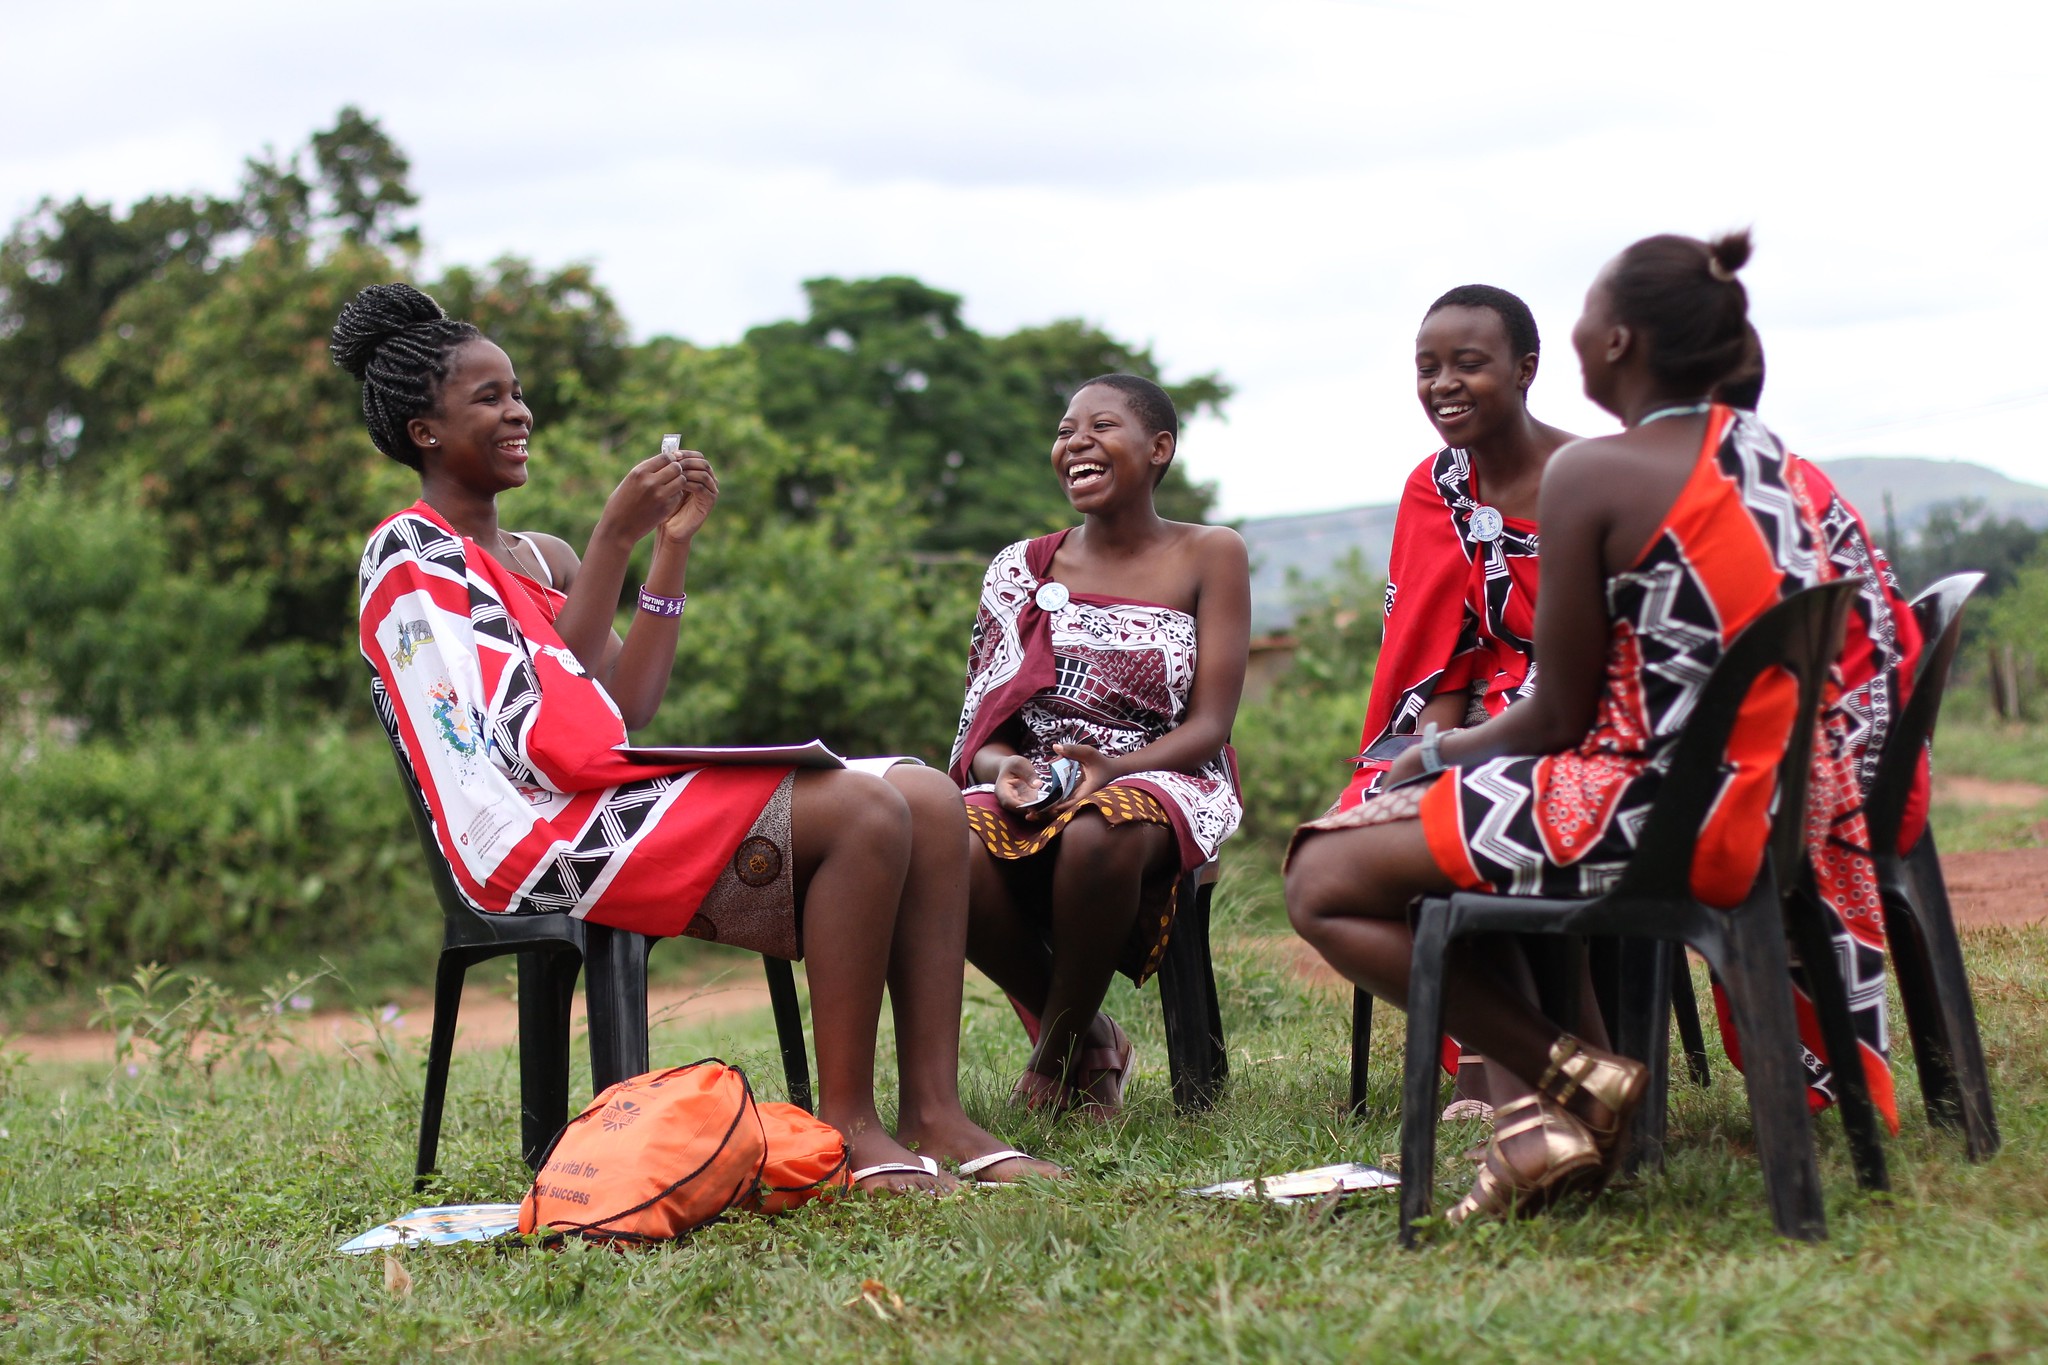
x=1106, y=1073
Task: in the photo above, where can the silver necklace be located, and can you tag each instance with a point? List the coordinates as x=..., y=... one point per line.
x=1680, y=410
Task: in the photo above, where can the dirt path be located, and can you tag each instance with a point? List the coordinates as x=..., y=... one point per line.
x=489, y=1019
x=2002, y=886
x=1996, y=887
x=1984, y=791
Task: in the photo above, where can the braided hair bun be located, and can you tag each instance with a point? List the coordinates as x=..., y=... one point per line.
x=398, y=342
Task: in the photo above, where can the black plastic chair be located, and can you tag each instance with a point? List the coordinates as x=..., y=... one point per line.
x=1941, y=1016
x=1195, y=1052
x=1653, y=901
x=552, y=949
x=1920, y=929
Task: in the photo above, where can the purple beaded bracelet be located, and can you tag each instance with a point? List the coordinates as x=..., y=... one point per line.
x=662, y=606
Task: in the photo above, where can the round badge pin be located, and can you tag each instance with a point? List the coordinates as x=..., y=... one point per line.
x=1486, y=523
x=1051, y=596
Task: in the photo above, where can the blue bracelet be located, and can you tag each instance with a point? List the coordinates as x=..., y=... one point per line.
x=657, y=605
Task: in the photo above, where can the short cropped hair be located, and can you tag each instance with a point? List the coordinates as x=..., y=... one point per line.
x=1514, y=315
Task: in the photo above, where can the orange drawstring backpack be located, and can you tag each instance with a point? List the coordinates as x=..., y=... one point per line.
x=657, y=1156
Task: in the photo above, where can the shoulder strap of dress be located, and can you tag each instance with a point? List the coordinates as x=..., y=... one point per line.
x=546, y=573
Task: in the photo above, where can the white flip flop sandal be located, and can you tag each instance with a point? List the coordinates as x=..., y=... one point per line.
x=971, y=1170
x=925, y=1166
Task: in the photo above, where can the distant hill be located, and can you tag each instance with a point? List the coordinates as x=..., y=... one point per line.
x=1917, y=484
x=1312, y=543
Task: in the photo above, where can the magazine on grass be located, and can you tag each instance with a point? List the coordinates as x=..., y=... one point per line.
x=1296, y=1186
x=438, y=1225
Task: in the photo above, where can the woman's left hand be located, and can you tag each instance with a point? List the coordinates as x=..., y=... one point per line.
x=1405, y=766
x=700, y=495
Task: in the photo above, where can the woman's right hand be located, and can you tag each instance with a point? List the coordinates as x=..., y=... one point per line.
x=648, y=496
x=1017, y=784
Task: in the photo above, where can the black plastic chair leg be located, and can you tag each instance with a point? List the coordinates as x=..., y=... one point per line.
x=547, y=992
x=1187, y=1000
x=1219, y=1054
x=1419, y=1072
x=617, y=992
x=1685, y=1009
x=1845, y=1055
x=789, y=1031
x=1754, y=974
x=1361, y=1048
x=448, y=973
x=1642, y=1031
x=1962, y=1046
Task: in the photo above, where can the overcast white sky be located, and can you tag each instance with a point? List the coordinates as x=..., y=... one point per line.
x=1274, y=191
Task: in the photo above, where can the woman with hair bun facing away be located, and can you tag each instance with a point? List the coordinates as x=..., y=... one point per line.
x=1093, y=740
x=1641, y=530
x=496, y=671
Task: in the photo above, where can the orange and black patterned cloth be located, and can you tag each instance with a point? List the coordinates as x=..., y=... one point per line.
x=1013, y=840
x=1739, y=538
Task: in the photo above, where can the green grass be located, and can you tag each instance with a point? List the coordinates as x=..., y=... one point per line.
x=144, y=1221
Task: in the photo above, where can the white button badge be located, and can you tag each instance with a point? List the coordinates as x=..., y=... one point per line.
x=1051, y=596
x=1486, y=523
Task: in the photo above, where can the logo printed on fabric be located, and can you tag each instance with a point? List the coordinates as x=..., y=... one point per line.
x=411, y=635
x=461, y=727
x=620, y=1113
x=758, y=861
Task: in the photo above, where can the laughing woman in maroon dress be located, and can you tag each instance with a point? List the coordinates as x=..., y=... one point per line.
x=1084, y=654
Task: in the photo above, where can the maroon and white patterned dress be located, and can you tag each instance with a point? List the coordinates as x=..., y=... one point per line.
x=1080, y=668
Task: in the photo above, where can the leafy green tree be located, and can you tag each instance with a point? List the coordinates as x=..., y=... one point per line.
x=965, y=421
x=1966, y=535
x=363, y=179
x=561, y=328
x=98, y=626
x=829, y=624
x=62, y=268
x=250, y=447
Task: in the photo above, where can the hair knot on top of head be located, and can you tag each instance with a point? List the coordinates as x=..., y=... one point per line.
x=1682, y=294
x=399, y=343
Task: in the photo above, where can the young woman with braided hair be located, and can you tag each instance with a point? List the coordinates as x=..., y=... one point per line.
x=1641, y=530
x=507, y=694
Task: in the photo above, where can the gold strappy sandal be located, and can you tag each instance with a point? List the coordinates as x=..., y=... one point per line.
x=1571, y=1161
x=1616, y=1084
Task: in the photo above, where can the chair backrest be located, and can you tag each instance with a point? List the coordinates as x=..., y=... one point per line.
x=1802, y=635
x=463, y=925
x=445, y=890
x=1940, y=613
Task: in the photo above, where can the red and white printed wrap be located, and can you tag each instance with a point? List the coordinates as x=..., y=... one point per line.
x=515, y=749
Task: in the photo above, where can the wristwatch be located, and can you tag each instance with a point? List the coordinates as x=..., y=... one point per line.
x=1432, y=749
